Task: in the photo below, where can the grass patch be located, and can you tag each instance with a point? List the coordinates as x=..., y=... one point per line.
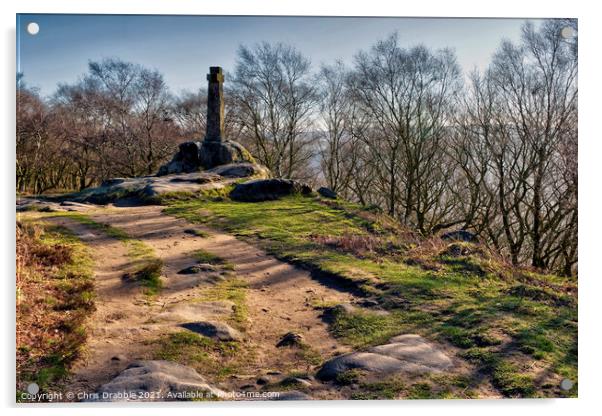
x=380, y=390
x=460, y=337
x=535, y=343
x=505, y=375
x=55, y=294
x=232, y=289
x=309, y=355
x=363, y=328
x=211, y=358
x=212, y=194
x=149, y=274
x=348, y=377
x=481, y=356
x=467, y=338
x=510, y=382
x=434, y=387
x=420, y=391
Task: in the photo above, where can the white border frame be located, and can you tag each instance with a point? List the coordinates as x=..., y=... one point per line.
x=590, y=22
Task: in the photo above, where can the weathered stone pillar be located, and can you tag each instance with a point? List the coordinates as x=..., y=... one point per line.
x=215, y=105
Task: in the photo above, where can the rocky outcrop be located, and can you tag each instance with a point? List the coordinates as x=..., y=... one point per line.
x=195, y=156
x=408, y=353
x=241, y=170
x=369, y=362
x=214, y=154
x=149, y=189
x=157, y=381
x=185, y=160
x=268, y=189
x=45, y=205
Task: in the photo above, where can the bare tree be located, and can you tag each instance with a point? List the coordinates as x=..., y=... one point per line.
x=517, y=146
x=153, y=124
x=408, y=94
x=275, y=98
x=117, y=120
x=41, y=161
x=537, y=83
x=338, y=146
x=189, y=110
x=470, y=151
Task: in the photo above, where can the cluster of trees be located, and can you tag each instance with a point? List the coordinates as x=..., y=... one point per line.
x=113, y=122
x=493, y=152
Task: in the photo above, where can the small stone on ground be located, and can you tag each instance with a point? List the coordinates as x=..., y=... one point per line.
x=290, y=339
x=198, y=268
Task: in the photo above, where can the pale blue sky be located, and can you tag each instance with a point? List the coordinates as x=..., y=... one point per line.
x=183, y=47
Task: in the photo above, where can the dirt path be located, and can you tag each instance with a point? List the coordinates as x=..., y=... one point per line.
x=118, y=321
x=278, y=297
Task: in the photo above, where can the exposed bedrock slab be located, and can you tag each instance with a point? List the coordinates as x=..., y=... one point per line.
x=414, y=349
x=216, y=330
x=375, y=363
x=148, y=188
x=142, y=378
x=407, y=353
x=29, y=204
x=241, y=170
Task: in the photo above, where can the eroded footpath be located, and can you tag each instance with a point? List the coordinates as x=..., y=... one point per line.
x=278, y=299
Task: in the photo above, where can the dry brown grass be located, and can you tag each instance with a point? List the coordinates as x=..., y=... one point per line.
x=359, y=245
x=54, y=296
x=363, y=245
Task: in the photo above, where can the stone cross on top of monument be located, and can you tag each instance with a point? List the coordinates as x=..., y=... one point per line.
x=215, y=105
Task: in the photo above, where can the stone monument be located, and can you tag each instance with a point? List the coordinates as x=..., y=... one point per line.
x=215, y=150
